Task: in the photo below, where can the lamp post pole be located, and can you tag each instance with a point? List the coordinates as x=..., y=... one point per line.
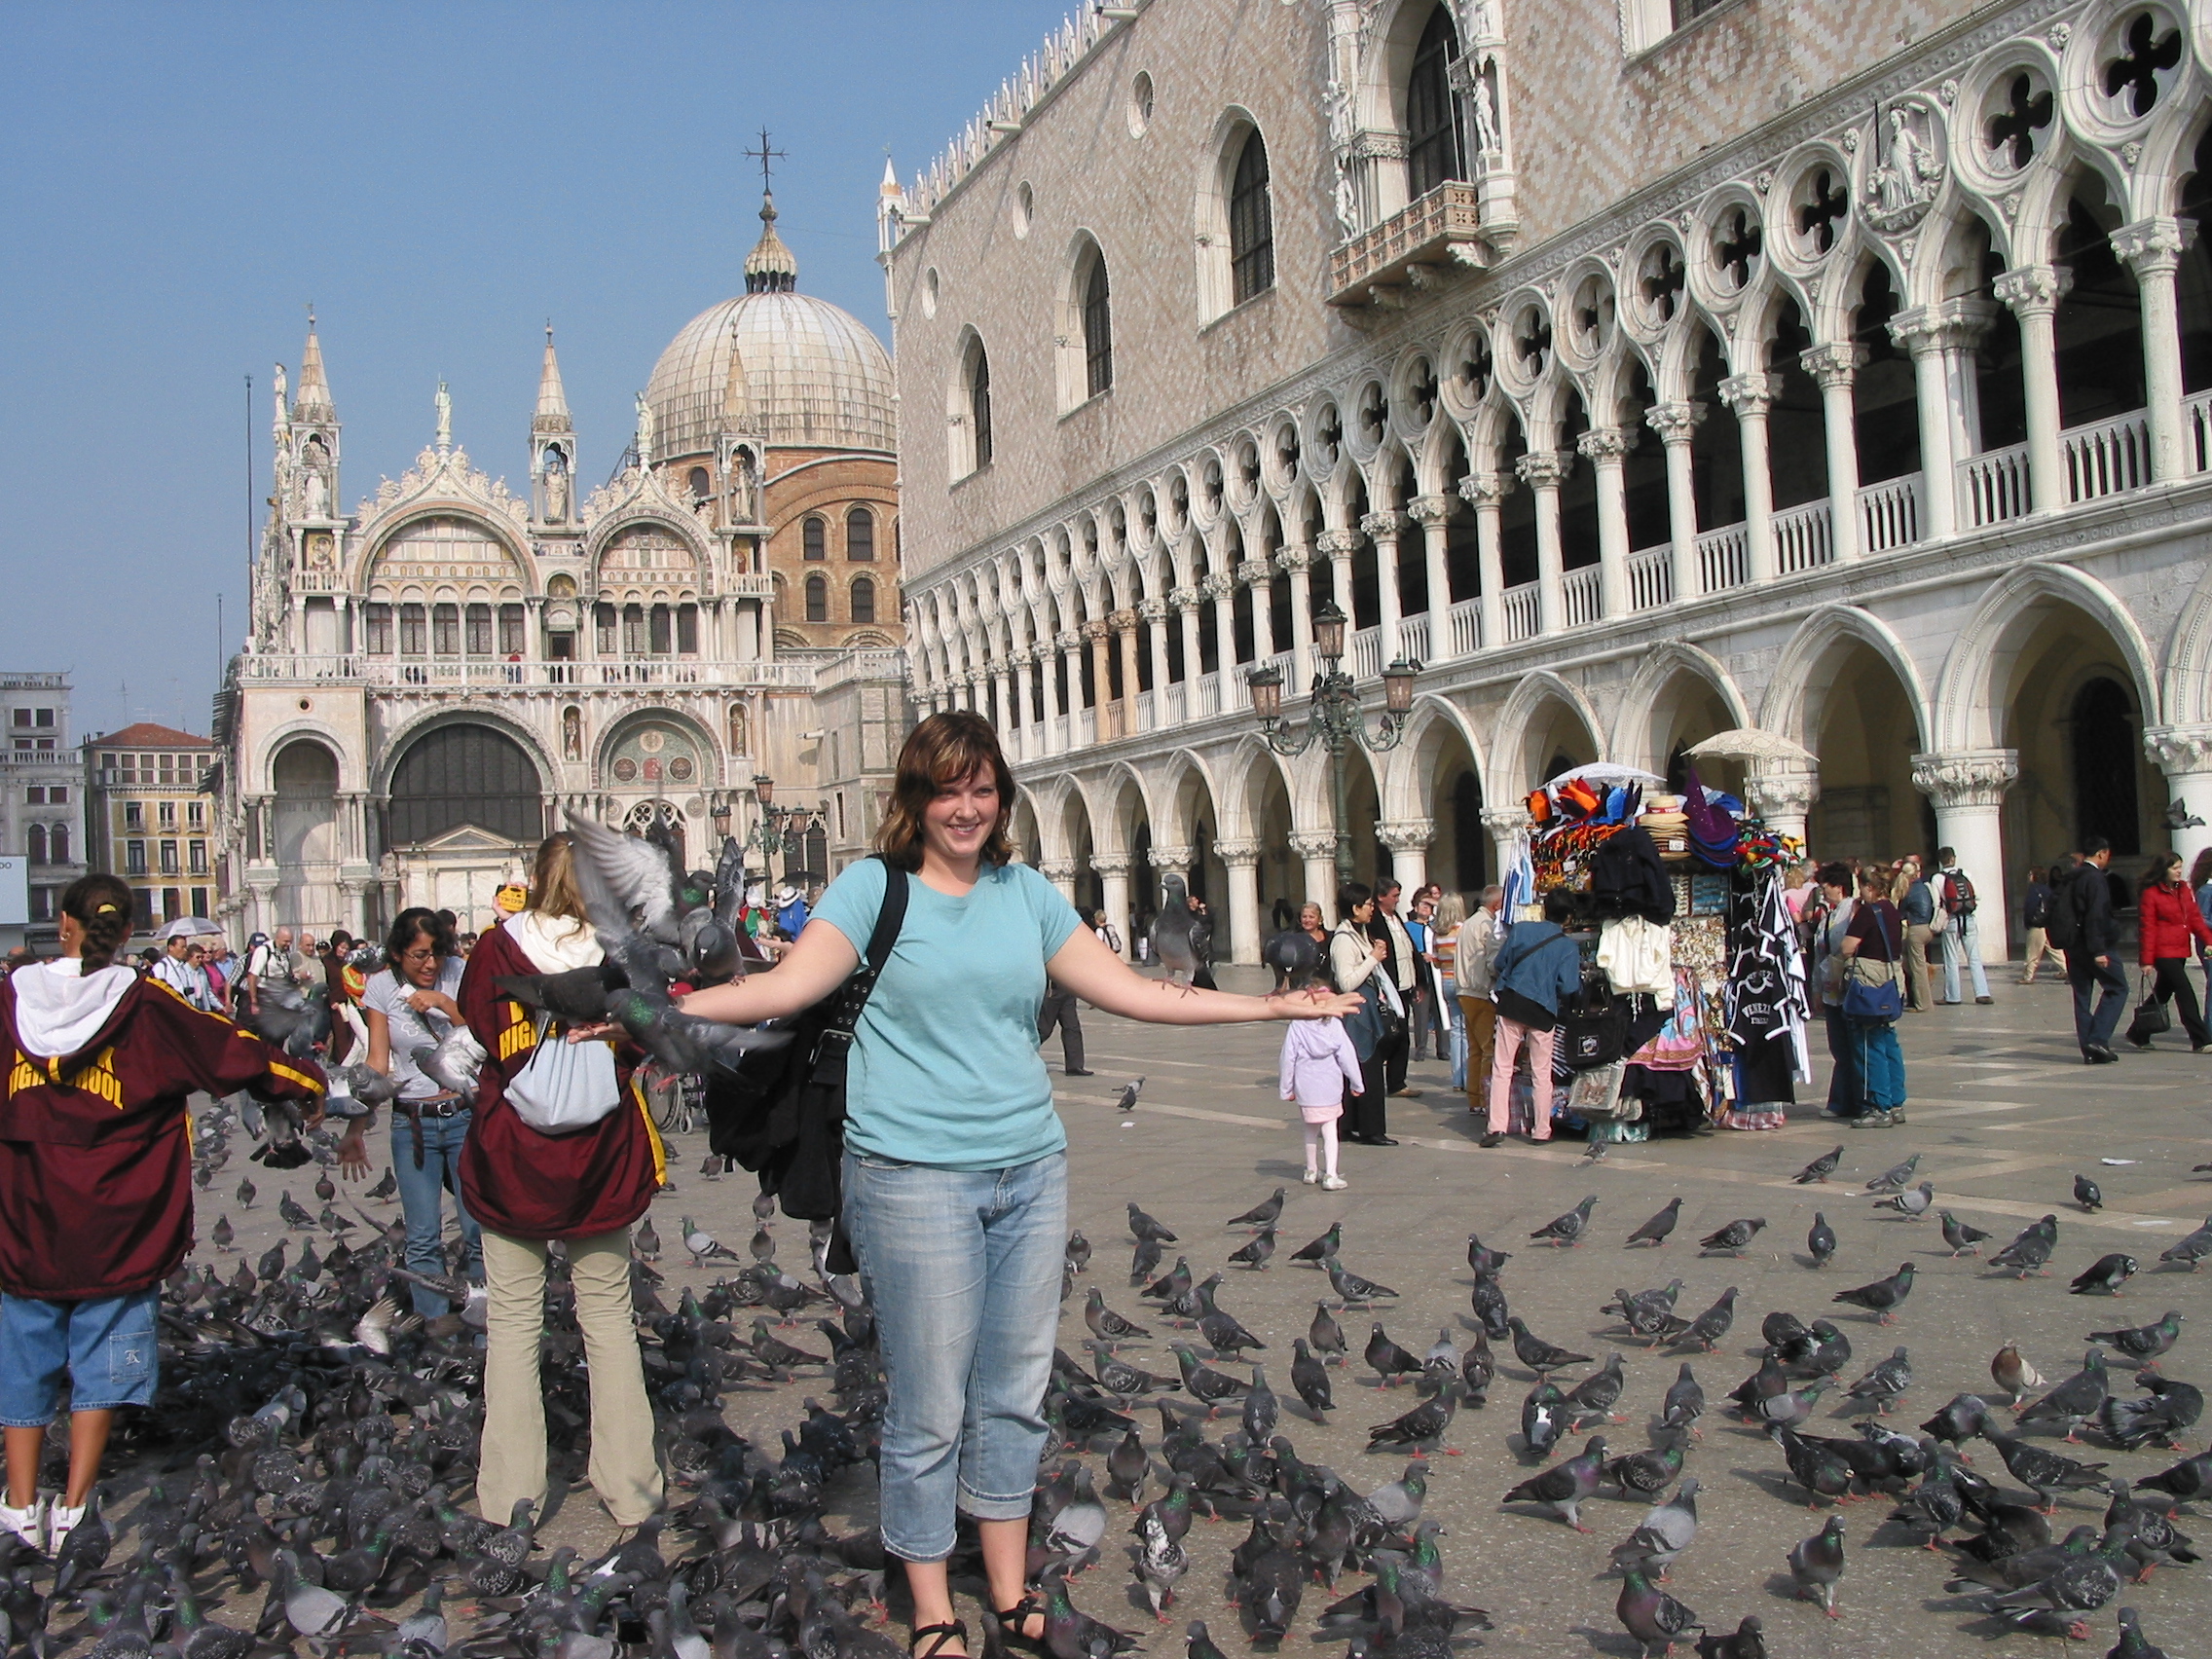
x=1336, y=718
x=780, y=828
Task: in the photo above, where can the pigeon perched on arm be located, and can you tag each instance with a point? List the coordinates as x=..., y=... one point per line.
x=1180, y=937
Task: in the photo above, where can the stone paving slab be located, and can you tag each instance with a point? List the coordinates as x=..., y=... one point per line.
x=2003, y=1114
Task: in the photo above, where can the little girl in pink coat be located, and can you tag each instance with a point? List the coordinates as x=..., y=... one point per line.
x=1318, y=1062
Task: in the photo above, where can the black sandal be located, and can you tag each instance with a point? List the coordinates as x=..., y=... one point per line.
x=941, y=1635
x=1011, y=1619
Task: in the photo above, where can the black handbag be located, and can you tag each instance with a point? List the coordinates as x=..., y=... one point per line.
x=2151, y=1018
x=1593, y=1027
x=786, y=1121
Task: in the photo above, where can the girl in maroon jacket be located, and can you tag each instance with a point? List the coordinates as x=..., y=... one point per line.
x=95, y=1185
x=2170, y=927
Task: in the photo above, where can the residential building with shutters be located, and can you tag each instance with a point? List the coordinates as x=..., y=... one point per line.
x=41, y=792
x=152, y=820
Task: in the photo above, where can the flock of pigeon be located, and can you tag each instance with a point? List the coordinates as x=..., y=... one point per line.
x=2006, y=1560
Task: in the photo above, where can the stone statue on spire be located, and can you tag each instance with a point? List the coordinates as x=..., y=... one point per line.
x=443, y=402
x=645, y=433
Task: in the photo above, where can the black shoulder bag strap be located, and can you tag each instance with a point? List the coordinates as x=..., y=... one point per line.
x=850, y=999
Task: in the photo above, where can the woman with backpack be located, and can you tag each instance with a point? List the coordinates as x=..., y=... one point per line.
x=2171, y=929
x=1536, y=968
x=1873, y=946
x=955, y=1168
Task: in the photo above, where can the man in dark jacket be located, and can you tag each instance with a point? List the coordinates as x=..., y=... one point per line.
x=2090, y=953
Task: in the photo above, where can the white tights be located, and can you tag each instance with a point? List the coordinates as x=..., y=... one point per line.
x=1323, y=1136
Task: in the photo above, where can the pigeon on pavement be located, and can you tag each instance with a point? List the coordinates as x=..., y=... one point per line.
x=2074, y=1401
x=1963, y=1240
x=1914, y=1202
x=1262, y=1214
x=1568, y=1229
x=1883, y=1297
x=1655, y=1618
x=2105, y=1275
x=1892, y=1180
x=1322, y=1248
x=1127, y=1101
x=1566, y=1485
x=1816, y=1563
x=1667, y=1529
x=1819, y=1169
x=2088, y=1195
x=1732, y=1238
x=2143, y=1342
x=1538, y=1355
x=2191, y=1252
x=2029, y=1252
x=1819, y=1241
x=1654, y=1232
x=1142, y=1225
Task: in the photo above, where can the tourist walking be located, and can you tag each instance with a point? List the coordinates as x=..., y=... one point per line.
x=1831, y=911
x=955, y=1168
x=584, y=1189
x=1319, y=1064
x=1915, y=901
x=1059, y=1010
x=2088, y=934
x=2201, y=883
x=2035, y=920
x=2171, y=929
x=1955, y=896
x=411, y=1004
x=1357, y=965
x=1388, y=929
x=96, y=1188
x=1472, y=953
x=1447, y=912
x=1536, y=968
x=1873, y=943
x=1427, y=1007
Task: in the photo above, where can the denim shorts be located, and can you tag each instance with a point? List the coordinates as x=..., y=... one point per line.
x=104, y=1346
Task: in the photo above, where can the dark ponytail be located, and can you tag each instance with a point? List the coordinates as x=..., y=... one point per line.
x=101, y=905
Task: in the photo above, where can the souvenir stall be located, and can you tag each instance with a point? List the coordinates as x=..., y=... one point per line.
x=1694, y=1002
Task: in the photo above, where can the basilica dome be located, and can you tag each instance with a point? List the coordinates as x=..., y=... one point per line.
x=807, y=374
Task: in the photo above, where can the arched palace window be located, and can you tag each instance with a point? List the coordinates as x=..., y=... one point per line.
x=1434, y=149
x=1251, y=223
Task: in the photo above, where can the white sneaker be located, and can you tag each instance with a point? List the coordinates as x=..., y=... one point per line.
x=1311, y=1177
x=28, y=1525
x=1334, y=1184
x=60, y=1521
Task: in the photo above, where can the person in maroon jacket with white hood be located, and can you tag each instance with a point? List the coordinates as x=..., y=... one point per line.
x=95, y=1185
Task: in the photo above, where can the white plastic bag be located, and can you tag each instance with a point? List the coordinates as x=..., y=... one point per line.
x=565, y=1087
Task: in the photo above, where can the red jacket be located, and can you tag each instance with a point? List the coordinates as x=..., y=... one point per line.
x=527, y=1185
x=95, y=1160
x=2168, y=919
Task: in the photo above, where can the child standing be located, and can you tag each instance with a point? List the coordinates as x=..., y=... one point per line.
x=1317, y=1061
x=95, y=1185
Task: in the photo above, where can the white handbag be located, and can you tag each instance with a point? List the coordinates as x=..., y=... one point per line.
x=565, y=1087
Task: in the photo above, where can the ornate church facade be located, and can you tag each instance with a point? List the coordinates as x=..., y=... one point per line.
x=432, y=681
x=1629, y=369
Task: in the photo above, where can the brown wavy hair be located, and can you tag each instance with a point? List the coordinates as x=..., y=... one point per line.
x=942, y=751
x=553, y=889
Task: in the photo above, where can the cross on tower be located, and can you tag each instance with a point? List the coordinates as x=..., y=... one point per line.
x=2136, y=70
x=764, y=155
x=1741, y=246
x=2013, y=128
x=1818, y=218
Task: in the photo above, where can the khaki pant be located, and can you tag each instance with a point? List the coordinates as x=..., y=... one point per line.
x=1481, y=1014
x=2039, y=947
x=511, y=1460
x=1918, y=991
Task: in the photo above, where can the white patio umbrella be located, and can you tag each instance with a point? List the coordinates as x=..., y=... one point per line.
x=191, y=927
x=1747, y=743
x=1605, y=772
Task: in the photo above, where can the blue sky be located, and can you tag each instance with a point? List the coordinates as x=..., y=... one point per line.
x=178, y=182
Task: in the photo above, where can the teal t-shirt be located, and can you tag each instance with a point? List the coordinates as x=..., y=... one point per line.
x=946, y=1068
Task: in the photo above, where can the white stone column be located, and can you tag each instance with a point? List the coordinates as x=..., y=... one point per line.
x=1543, y=471
x=1783, y=800
x=1433, y=513
x=1338, y=547
x=1185, y=600
x=1153, y=613
x=1834, y=369
x=1385, y=529
x=1259, y=576
x=1749, y=398
x=1124, y=625
x=1244, y=860
x=2185, y=754
x=1677, y=424
x=1221, y=588
x=2033, y=292
x=1409, y=840
x=1114, y=878
x=1504, y=824
x=1061, y=874
x=1484, y=491
x=2154, y=247
x=1607, y=449
x=1941, y=339
x=1967, y=788
x=1019, y=661
x=1316, y=851
x=1295, y=561
x=1062, y=731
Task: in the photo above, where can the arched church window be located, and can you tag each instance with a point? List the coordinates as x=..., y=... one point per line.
x=1097, y=327
x=687, y=630
x=859, y=534
x=634, y=631
x=660, y=633
x=466, y=774
x=602, y=620
x=817, y=600
x=513, y=640
x=814, y=538
x=702, y=484
x=980, y=404
x=864, y=599
x=479, y=621
x=1251, y=223
x=412, y=637
x=1434, y=149
x=376, y=629
x=445, y=630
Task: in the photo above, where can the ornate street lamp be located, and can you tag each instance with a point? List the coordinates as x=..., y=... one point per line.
x=780, y=829
x=1336, y=719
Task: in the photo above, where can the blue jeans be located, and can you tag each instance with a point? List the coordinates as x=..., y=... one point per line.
x=2094, y=1029
x=1879, y=1064
x=103, y=1344
x=963, y=1268
x=1963, y=939
x=421, y=1197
